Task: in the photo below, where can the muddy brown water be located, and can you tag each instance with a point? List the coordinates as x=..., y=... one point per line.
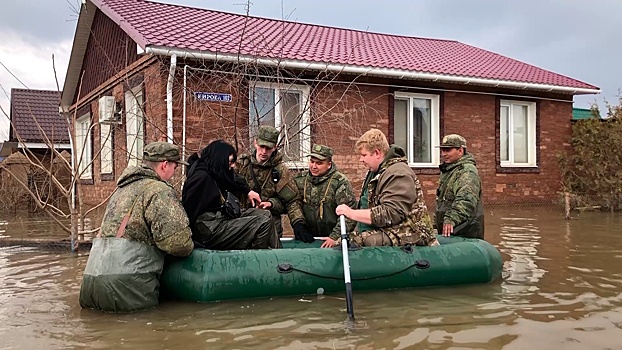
x=561, y=288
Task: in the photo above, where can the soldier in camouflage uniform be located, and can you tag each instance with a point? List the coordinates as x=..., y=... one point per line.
x=322, y=189
x=459, y=207
x=143, y=221
x=267, y=175
x=391, y=209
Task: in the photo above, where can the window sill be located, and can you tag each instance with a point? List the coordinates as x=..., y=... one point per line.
x=518, y=169
x=107, y=177
x=432, y=170
x=86, y=181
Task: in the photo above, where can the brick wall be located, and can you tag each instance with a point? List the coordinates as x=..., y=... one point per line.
x=339, y=114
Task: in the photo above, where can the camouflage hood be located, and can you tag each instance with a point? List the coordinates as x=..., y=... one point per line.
x=395, y=155
x=133, y=173
x=466, y=159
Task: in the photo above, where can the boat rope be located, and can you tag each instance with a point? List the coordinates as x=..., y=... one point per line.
x=420, y=264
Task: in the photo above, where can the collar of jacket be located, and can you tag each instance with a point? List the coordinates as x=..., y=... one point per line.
x=465, y=159
x=316, y=180
x=136, y=173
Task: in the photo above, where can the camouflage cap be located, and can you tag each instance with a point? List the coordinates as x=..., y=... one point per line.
x=162, y=151
x=267, y=136
x=453, y=141
x=321, y=152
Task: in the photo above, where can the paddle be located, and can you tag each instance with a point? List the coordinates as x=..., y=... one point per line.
x=346, y=268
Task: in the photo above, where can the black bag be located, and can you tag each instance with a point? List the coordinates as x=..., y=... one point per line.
x=231, y=207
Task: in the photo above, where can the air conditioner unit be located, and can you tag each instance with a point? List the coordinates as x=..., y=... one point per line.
x=109, y=110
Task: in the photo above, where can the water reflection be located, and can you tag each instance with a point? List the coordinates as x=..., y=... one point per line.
x=561, y=288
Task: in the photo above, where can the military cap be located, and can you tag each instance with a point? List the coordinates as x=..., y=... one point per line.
x=453, y=141
x=162, y=151
x=321, y=152
x=267, y=136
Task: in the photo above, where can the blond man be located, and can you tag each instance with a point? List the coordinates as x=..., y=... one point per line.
x=391, y=210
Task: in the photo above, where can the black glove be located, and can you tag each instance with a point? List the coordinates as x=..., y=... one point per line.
x=301, y=233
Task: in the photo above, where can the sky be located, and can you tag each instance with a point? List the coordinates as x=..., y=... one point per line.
x=577, y=38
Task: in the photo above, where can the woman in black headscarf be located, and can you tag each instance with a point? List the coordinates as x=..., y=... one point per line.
x=210, y=179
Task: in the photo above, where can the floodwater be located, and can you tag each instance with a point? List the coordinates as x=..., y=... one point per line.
x=561, y=288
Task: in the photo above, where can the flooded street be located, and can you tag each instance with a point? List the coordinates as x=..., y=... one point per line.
x=561, y=288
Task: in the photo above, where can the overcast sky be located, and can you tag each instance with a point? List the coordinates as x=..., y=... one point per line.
x=577, y=38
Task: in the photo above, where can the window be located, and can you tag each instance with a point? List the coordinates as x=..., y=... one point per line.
x=286, y=108
x=517, y=134
x=134, y=125
x=106, y=148
x=83, y=146
x=416, y=128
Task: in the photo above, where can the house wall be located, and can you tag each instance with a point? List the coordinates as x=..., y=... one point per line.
x=108, y=51
x=341, y=113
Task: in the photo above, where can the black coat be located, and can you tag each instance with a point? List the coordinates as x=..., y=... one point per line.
x=204, y=192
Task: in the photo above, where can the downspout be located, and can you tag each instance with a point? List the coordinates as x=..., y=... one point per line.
x=169, y=99
x=183, y=127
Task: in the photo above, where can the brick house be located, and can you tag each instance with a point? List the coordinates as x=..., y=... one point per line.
x=143, y=71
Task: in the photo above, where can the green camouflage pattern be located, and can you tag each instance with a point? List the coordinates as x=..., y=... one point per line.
x=282, y=194
x=267, y=136
x=453, y=141
x=157, y=217
x=162, y=151
x=411, y=226
x=320, y=196
x=321, y=152
x=459, y=198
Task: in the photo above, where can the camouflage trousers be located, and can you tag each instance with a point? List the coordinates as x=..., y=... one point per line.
x=375, y=238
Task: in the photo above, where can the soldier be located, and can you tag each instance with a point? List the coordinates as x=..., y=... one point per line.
x=391, y=209
x=322, y=189
x=459, y=207
x=267, y=175
x=144, y=219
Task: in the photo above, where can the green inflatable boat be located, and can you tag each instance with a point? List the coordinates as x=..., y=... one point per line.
x=301, y=268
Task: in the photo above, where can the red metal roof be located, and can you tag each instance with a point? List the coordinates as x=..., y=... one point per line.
x=187, y=28
x=42, y=106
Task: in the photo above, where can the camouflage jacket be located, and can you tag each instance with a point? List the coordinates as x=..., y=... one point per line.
x=274, y=183
x=458, y=198
x=157, y=217
x=320, y=196
x=396, y=202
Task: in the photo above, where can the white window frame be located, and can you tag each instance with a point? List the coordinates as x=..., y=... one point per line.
x=83, y=147
x=135, y=120
x=531, y=135
x=305, y=134
x=435, y=127
x=105, y=154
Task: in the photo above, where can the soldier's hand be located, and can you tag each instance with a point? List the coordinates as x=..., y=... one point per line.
x=328, y=243
x=265, y=205
x=254, y=198
x=448, y=229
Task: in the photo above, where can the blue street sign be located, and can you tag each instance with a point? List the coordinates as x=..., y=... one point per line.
x=212, y=96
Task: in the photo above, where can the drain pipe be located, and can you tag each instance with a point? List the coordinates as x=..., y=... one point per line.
x=169, y=99
x=183, y=125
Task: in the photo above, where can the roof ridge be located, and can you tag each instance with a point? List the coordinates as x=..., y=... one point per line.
x=35, y=90
x=299, y=23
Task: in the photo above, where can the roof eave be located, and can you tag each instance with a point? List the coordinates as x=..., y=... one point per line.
x=78, y=50
x=365, y=70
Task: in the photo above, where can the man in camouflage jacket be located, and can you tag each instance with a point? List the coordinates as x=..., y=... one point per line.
x=267, y=175
x=322, y=188
x=391, y=209
x=459, y=207
x=143, y=221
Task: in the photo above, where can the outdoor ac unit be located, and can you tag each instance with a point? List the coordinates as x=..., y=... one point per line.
x=109, y=111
